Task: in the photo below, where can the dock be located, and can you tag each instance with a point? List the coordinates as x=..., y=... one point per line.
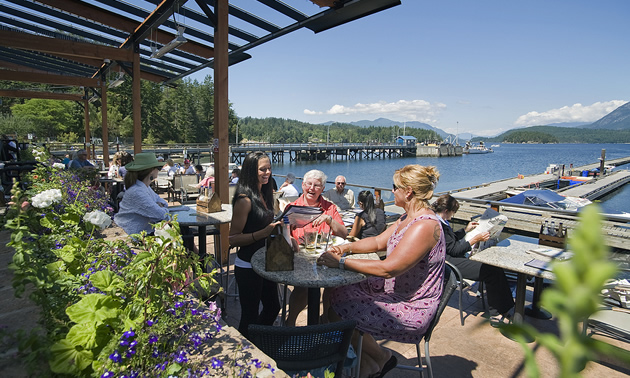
x=596, y=188
x=527, y=220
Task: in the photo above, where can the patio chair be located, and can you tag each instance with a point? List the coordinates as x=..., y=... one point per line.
x=611, y=321
x=162, y=183
x=181, y=189
x=448, y=288
x=305, y=348
x=463, y=284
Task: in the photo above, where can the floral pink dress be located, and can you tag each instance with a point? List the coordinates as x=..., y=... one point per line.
x=398, y=308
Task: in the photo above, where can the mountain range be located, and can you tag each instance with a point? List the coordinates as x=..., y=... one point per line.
x=618, y=119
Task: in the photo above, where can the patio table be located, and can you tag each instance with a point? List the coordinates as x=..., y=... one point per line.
x=307, y=273
x=512, y=254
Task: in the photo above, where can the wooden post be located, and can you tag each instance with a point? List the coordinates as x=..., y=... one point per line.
x=221, y=114
x=602, y=160
x=105, y=131
x=86, y=116
x=137, y=121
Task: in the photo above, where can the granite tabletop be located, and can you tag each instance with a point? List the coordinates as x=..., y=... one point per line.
x=187, y=215
x=513, y=253
x=307, y=273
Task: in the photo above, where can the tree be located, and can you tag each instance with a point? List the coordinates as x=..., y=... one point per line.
x=51, y=117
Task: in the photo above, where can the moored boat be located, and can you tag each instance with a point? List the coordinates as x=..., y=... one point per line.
x=476, y=149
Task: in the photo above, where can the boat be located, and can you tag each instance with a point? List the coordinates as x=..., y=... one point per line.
x=495, y=145
x=547, y=198
x=470, y=148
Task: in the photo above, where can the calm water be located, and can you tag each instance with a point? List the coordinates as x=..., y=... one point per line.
x=507, y=161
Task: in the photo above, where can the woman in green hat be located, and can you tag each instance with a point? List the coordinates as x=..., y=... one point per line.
x=141, y=206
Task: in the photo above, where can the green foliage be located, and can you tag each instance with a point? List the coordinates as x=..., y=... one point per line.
x=554, y=134
x=529, y=137
x=573, y=298
x=108, y=309
x=50, y=117
x=280, y=130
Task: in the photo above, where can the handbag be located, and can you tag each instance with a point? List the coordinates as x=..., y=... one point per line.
x=279, y=256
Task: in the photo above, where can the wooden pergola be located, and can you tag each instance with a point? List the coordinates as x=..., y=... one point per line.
x=85, y=43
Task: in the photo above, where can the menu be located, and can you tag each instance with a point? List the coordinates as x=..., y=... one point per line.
x=300, y=216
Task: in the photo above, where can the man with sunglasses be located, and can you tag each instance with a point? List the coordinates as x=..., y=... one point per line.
x=340, y=196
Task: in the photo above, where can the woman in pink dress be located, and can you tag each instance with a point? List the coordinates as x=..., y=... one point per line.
x=402, y=296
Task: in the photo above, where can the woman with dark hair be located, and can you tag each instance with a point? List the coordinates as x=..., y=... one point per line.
x=369, y=222
x=500, y=300
x=252, y=222
x=141, y=206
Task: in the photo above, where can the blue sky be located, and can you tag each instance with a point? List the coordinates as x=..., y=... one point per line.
x=460, y=65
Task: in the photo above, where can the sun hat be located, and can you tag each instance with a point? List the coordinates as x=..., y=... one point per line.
x=142, y=161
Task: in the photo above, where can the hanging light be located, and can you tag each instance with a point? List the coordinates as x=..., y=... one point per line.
x=118, y=81
x=178, y=41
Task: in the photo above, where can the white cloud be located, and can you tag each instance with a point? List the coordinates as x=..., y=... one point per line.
x=409, y=110
x=574, y=113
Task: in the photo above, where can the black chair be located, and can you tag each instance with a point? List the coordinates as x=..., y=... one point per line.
x=462, y=284
x=448, y=288
x=304, y=348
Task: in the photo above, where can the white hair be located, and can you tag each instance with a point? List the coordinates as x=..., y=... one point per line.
x=315, y=174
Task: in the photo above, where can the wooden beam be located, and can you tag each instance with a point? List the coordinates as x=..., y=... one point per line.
x=62, y=47
x=45, y=95
x=136, y=104
x=104, y=129
x=221, y=114
x=35, y=77
x=86, y=116
x=116, y=21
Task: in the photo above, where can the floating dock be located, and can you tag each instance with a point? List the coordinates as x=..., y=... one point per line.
x=528, y=219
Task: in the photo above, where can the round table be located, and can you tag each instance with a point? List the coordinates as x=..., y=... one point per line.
x=306, y=273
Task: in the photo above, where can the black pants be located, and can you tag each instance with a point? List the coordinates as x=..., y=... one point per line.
x=497, y=287
x=252, y=290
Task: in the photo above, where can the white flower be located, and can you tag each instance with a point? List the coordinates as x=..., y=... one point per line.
x=163, y=232
x=98, y=218
x=59, y=165
x=46, y=198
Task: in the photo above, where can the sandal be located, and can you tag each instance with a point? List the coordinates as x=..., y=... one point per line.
x=389, y=365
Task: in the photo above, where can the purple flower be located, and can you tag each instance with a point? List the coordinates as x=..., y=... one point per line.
x=178, y=304
x=194, y=311
x=181, y=357
x=133, y=344
x=116, y=357
x=129, y=333
x=257, y=363
x=216, y=363
x=179, y=293
x=150, y=323
x=123, y=343
x=153, y=339
x=107, y=374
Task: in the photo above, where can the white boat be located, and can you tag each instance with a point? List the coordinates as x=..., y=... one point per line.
x=476, y=149
x=495, y=145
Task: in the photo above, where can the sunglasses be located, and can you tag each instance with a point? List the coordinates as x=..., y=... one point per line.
x=394, y=187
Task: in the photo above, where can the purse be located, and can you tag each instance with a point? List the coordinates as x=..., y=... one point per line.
x=279, y=256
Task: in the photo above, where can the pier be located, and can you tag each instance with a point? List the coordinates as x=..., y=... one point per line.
x=523, y=219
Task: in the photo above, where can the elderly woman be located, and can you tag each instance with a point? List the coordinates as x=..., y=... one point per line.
x=330, y=221
x=369, y=222
x=252, y=222
x=500, y=300
x=141, y=206
x=401, y=297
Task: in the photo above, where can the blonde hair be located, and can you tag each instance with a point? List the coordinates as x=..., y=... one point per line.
x=422, y=181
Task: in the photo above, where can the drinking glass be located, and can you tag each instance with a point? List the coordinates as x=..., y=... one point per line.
x=310, y=238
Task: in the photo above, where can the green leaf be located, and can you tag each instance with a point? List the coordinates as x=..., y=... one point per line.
x=172, y=369
x=48, y=221
x=82, y=334
x=66, y=253
x=142, y=256
x=68, y=359
x=71, y=218
x=93, y=308
x=106, y=281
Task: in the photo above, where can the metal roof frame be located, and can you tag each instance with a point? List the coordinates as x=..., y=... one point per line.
x=125, y=26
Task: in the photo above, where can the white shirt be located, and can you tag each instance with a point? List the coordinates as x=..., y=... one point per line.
x=290, y=191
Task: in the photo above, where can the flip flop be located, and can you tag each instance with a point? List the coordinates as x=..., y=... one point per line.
x=389, y=365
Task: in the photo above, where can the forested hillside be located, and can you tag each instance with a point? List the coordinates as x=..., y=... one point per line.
x=280, y=130
x=183, y=114
x=553, y=134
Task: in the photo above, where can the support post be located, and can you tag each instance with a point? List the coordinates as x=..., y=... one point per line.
x=221, y=113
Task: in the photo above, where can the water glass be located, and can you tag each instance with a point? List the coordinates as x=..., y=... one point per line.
x=310, y=238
